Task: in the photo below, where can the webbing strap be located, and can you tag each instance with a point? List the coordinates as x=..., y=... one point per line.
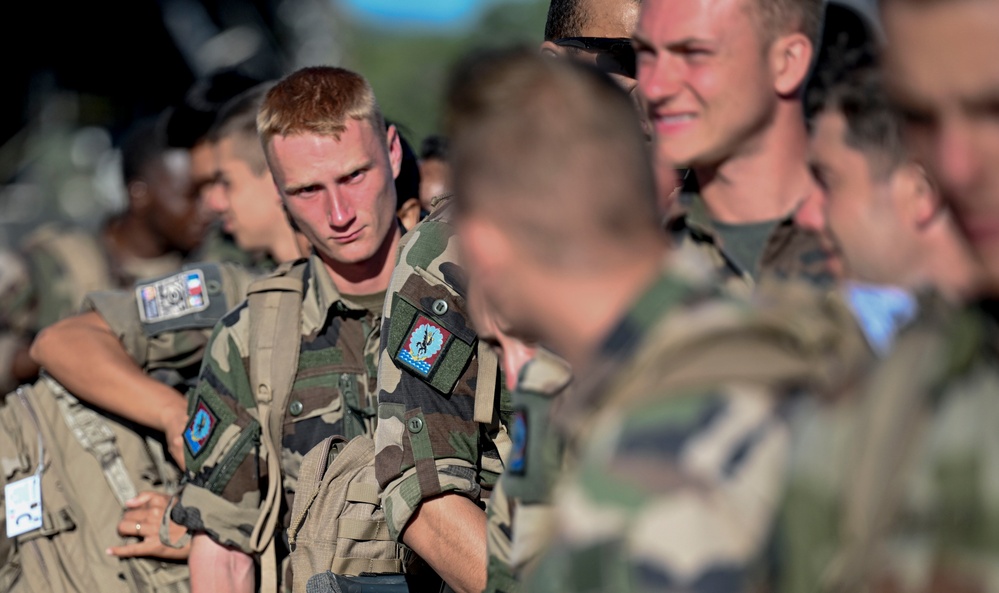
x=275, y=306
x=893, y=421
x=363, y=529
x=485, y=384
x=97, y=438
x=356, y=566
x=358, y=492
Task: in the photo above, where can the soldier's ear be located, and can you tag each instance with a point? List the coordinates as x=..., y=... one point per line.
x=926, y=205
x=394, y=149
x=790, y=61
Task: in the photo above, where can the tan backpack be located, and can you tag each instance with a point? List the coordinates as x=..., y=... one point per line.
x=338, y=523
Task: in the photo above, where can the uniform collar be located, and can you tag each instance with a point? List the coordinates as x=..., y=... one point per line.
x=322, y=297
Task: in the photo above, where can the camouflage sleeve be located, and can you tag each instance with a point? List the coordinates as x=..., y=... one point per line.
x=156, y=341
x=678, y=493
x=224, y=472
x=427, y=440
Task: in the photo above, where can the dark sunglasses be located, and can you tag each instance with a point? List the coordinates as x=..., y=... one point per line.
x=618, y=49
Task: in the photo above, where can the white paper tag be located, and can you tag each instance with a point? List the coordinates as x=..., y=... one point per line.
x=24, y=506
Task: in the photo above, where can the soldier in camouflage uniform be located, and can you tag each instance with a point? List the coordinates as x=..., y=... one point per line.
x=333, y=162
x=676, y=421
x=723, y=81
x=106, y=479
x=596, y=32
x=906, y=499
x=164, y=221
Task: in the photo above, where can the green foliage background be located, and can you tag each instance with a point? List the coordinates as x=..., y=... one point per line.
x=408, y=70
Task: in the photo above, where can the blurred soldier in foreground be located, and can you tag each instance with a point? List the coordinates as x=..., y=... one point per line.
x=596, y=33
x=878, y=209
x=913, y=507
x=886, y=218
x=260, y=406
x=676, y=421
x=162, y=223
x=723, y=81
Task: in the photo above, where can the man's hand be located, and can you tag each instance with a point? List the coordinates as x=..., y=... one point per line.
x=142, y=519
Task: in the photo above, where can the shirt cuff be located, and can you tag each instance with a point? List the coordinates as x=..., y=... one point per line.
x=402, y=497
x=226, y=523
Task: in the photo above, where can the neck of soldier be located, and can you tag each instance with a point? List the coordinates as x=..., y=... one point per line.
x=764, y=180
x=370, y=276
x=948, y=265
x=578, y=311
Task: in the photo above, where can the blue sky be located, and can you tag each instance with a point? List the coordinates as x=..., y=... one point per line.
x=423, y=14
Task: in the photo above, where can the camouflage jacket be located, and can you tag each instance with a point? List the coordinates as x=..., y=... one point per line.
x=520, y=510
x=679, y=442
x=333, y=393
x=790, y=253
x=895, y=485
x=62, y=265
x=428, y=441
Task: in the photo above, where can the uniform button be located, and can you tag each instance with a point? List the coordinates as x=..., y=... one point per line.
x=295, y=408
x=213, y=286
x=415, y=425
x=440, y=306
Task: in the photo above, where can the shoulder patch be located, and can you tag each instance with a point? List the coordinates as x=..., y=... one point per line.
x=428, y=334
x=190, y=299
x=171, y=297
x=518, y=438
x=200, y=428
x=426, y=345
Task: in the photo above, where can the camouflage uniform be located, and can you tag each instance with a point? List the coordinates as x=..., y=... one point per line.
x=520, y=510
x=82, y=502
x=681, y=441
x=791, y=252
x=333, y=393
x=895, y=485
x=428, y=441
x=63, y=265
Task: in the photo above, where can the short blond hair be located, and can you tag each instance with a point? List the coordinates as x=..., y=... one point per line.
x=317, y=100
x=781, y=17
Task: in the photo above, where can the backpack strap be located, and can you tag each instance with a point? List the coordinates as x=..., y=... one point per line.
x=485, y=384
x=275, y=310
x=97, y=438
x=893, y=420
